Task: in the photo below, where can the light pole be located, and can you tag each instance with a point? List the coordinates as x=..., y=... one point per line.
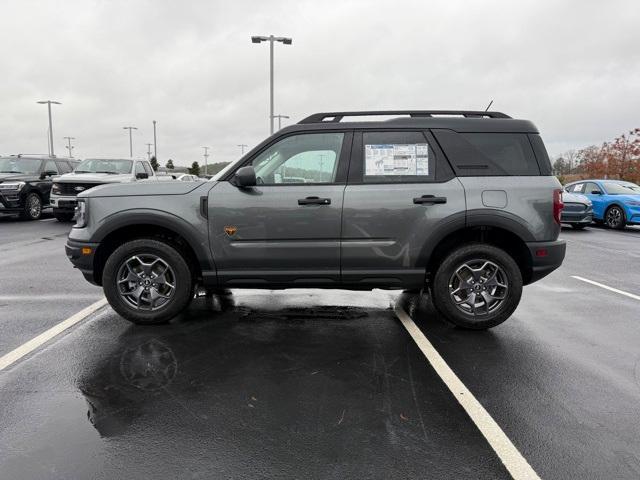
x=69, y=146
x=206, y=156
x=242, y=147
x=280, y=117
x=271, y=39
x=49, y=102
x=155, y=144
x=130, y=139
x=149, y=151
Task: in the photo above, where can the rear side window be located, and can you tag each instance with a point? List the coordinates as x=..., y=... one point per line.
x=481, y=154
x=401, y=157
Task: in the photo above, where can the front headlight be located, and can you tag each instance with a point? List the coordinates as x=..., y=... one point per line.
x=81, y=214
x=12, y=186
x=55, y=189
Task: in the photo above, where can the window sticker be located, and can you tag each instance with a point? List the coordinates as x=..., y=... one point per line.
x=397, y=159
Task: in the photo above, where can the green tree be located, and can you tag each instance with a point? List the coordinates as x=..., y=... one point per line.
x=195, y=169
x=169, y=164
x=154, y=164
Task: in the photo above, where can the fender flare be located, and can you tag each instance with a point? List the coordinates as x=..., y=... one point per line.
x=159, y=218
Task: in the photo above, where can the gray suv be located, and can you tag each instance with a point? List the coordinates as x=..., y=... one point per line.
x=461, y=204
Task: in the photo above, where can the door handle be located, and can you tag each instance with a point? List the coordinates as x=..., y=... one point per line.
x=429, y=200
x=314, y=201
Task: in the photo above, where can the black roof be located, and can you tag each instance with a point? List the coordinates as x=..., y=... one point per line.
x=457, y=120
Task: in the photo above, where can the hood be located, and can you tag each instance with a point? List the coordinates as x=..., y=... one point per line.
x=94, y=177
x=575, y=198
x=16, y=177
x=137, y=189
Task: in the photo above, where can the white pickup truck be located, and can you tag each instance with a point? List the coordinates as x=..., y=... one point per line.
x=91, y=173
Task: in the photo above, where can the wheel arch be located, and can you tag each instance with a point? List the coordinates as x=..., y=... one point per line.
x=491, y=234
x=128, y=225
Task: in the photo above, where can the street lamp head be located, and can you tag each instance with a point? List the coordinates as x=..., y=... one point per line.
x=285, y=40
x=258, y=39
x=48, y=101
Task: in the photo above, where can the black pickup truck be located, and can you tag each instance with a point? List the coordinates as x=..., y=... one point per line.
x=25, y=183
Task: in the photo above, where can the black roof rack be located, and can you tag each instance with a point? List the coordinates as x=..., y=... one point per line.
x=335, y=117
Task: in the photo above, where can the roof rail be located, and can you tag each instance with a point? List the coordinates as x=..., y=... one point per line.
x=335, y=117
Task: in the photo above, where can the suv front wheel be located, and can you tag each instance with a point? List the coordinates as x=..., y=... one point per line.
x=477, y=286
x=147, y=281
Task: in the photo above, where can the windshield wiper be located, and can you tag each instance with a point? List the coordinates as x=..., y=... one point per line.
x=109, y=172
x=81, y=171
x=10, y=171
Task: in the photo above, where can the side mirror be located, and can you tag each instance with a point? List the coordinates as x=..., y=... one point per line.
x=596, y=192
x=48, y=173
x=245, y=177
x=142, y=175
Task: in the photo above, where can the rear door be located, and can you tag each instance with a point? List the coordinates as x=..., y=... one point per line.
x=286, y=229
x=401, y=196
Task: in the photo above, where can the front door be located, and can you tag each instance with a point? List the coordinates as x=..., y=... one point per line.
x=401, y=196
x=286, y=229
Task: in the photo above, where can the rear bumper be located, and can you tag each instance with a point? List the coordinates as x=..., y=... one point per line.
x=545, y=258
x=83, y=261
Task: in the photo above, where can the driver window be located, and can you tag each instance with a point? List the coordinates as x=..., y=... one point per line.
x=306, y=158
x=50, y=166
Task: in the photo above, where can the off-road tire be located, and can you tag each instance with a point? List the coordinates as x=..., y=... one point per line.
x=184, y=283
x=475, y=253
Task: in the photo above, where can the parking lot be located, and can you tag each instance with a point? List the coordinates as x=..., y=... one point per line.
x=318, y=384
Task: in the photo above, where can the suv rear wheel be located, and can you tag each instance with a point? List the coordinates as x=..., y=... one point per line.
x=477, y=286
x=147, y=281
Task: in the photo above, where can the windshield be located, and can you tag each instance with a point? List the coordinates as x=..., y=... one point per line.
x=97, y=165
x=20, y=165
x=613, y=188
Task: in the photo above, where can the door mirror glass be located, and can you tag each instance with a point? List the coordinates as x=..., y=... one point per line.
x=142, y=175
x=245, y=177
x=596, y=192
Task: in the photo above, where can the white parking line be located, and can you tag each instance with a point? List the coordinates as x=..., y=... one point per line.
x=512, y=459
x=47, y=219
x=607, y=287
x=26, y=348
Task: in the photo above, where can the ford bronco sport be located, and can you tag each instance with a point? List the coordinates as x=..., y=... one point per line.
x=461, y=204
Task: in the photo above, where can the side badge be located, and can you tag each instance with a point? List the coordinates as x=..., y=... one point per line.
x=230, y=230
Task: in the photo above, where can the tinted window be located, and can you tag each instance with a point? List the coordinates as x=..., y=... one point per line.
x=480, y=154
x=397, y=157
x=544, y=163
x=63, y=166
x=306, y=158
x=50, y=166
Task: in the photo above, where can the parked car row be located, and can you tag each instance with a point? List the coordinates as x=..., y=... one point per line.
x=613, y=203
x=31, y=183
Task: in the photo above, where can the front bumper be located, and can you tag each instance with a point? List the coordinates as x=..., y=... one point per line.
x=64, y=203
x=10, y=202
x=545, y=258
x=82, y=259
x=581, y=219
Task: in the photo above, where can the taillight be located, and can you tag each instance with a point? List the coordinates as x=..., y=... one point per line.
x=557, y=205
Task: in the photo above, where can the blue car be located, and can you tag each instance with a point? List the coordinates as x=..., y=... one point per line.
x=616, y=203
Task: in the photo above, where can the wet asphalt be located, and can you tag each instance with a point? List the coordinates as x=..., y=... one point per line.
x=317, y=384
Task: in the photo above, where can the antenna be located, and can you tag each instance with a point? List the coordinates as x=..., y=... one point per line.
x=488, y=106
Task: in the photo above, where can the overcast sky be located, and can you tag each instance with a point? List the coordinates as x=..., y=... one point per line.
x=572, y=67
